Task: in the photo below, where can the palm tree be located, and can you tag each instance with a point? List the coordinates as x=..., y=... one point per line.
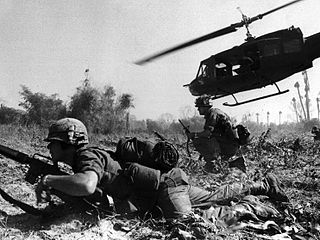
x=280, y=117
x=296, y=85
x=307, y=89
x=125, y=103
x=294, y=102
x=318, y=107
x=86, y=81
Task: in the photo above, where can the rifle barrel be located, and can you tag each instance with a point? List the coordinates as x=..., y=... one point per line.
x=14, y=154
x=184, y=126
x=162, y=138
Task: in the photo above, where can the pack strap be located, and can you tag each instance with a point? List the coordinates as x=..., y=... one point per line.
x=77, y=202
x=25, y=207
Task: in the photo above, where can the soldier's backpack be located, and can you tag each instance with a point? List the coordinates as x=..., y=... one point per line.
x=243, y=134
x=162, y=155
x=135, y=151
x=224, y=127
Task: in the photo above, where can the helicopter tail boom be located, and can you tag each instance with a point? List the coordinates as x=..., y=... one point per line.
x=312, y=45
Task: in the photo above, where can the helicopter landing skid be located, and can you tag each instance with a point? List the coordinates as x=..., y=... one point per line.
x=255, y=99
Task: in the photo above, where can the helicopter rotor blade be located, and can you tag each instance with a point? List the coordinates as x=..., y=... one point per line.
x=278, y=8
x=232, y=28
x=260, y=16
x=215, y=34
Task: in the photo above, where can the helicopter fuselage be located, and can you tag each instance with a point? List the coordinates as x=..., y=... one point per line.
x=256, y=63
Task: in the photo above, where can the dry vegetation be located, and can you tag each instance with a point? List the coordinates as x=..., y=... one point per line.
x=296, y=163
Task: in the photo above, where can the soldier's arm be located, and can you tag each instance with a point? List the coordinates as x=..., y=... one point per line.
x=211, y=121
x=206, y=133
x=79, y=184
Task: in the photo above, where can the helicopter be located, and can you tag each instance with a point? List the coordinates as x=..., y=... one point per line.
x=258, y=62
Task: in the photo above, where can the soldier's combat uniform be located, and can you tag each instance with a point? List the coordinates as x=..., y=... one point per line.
x=316, y=131
x=140, y=189
x=219, y=137
x=222, y=134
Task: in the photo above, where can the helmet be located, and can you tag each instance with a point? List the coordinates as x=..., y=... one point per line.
x=68, y=130
x=203, y=101
x=166, y=155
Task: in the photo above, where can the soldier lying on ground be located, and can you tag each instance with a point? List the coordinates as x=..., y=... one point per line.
x=134, y=188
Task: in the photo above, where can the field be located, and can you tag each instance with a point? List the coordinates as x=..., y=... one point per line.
x=294, y=158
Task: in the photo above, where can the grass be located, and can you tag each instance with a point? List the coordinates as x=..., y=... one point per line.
x=296, y=165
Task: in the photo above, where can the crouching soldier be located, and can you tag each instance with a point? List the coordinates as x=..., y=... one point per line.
x=135, y=188
x=219, y=138
x=316, y=133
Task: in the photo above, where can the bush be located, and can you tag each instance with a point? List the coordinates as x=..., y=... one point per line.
x=40, y=109
x=10, y=115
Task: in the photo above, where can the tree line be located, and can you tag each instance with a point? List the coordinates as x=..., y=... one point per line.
x=100, y=110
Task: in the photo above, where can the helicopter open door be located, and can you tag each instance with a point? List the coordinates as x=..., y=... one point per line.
x=213, y=69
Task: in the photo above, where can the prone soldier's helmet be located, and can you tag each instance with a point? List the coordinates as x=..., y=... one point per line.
x=68, y=130
x=166, y=155
x=203, y=101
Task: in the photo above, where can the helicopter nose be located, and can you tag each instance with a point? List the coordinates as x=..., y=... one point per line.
x=193, y=90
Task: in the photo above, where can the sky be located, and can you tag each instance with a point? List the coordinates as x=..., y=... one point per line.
x=47, y=45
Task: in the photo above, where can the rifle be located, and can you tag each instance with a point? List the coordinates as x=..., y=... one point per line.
x=187, y=131
x=40, y=165
x=162, y=138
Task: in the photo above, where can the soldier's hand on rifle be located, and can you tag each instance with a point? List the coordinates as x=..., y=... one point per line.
x=43, y=191
x=190, y=135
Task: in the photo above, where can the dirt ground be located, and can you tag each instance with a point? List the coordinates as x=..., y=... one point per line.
x=298, y=168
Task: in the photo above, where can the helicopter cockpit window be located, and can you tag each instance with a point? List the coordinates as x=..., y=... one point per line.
x=223, y=69
x=292, y=46
x=204, y=71
x=235, y=69
x=271, y=50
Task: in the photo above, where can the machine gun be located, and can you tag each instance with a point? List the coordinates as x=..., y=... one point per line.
x=187, y=131
x=40, y=165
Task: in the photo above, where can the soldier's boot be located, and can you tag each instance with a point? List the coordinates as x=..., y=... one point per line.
x=211, y=162
x=217, y=165
x=270, y=187
x=239, y=163
x=210, y=167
